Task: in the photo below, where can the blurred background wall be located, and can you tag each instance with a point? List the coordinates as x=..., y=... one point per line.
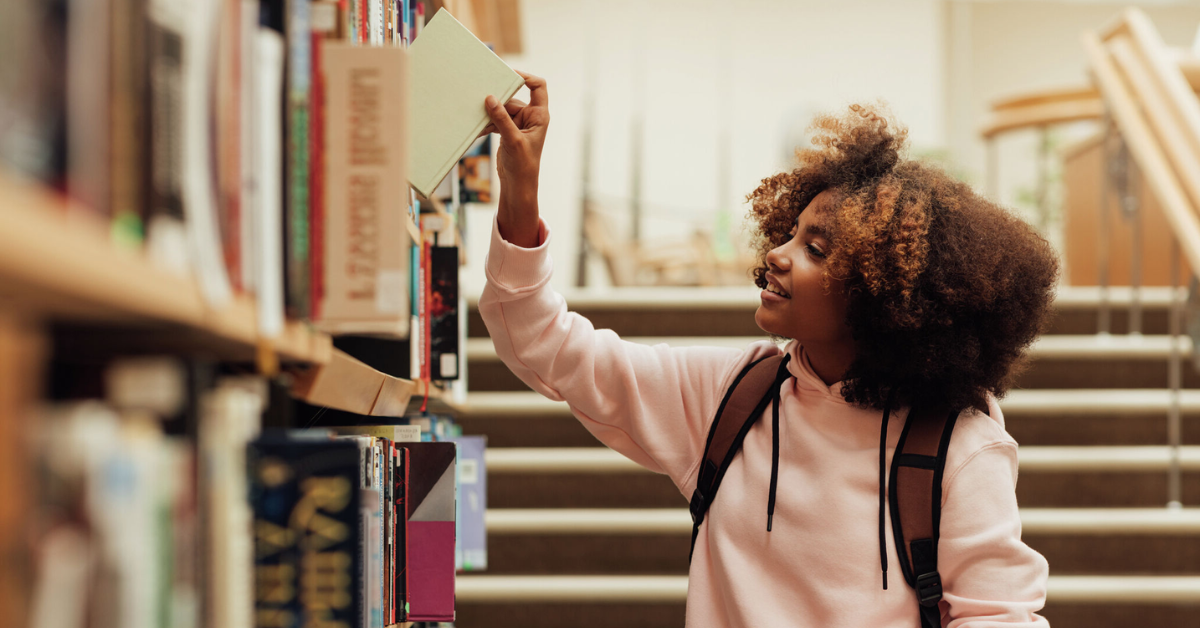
x=723, y=92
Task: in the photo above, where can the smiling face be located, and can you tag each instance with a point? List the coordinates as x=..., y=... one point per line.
x=796, y=304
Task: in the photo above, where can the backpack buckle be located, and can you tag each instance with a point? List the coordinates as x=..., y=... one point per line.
x=929, y=588
x=697, y=507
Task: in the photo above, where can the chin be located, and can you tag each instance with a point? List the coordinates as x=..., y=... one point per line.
x=763, y=319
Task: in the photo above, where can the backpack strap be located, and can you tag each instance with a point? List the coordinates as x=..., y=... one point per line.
x=915, y=495
x=744, y=402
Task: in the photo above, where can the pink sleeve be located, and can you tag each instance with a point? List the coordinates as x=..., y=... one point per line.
x=651, y=404
x=989, y=576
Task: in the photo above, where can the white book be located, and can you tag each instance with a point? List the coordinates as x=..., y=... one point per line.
x=200, y=200
x=452, y=73
x=248, y=84
x=269, y=226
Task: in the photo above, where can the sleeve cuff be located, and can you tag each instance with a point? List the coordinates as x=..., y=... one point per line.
x=516, y=267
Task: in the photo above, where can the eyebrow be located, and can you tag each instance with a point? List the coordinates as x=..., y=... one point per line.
x=818, y=230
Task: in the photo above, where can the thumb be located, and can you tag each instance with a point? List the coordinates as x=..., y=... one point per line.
x=503, y=122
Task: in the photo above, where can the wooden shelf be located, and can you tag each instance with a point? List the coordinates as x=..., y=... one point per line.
x=58, y=263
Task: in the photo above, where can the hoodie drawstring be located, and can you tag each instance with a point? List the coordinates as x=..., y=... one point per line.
x=883, y=430
x=782, y=375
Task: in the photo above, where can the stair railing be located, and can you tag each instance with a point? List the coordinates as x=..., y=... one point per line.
x=1150, y=102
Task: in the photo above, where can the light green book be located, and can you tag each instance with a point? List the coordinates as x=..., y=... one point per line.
x=452, y=73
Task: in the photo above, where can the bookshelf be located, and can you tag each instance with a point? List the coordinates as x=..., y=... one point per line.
x=56, y=263
x=82, y=307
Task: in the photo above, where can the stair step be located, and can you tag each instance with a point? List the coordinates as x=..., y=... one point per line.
x=1094, y=346
x=665, y=311
x=688, y=298
x=599, y=460
x=662, y=553
x=519, y=404
x=1058, y=489
x=640, y=521
x=624, y=589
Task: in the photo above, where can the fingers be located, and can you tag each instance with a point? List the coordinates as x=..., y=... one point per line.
x=487, y=130
x=538, y=96
x=501, y=120
x=514, y=106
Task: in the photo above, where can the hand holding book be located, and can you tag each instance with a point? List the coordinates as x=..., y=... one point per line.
x=522, y=129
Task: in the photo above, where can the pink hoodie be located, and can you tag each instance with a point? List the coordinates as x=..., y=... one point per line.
x=820, y=564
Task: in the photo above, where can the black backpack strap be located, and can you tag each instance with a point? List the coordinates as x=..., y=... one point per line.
x=915, y=495
x=744, y=402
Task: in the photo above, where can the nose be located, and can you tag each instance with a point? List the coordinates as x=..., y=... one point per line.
x=777, y=261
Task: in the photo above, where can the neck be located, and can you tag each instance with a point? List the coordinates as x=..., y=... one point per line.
x=831, y=361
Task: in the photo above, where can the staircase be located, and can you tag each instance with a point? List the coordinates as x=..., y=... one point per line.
x=581, y=537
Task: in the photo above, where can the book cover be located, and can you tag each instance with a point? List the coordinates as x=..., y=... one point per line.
x=394, y=433
x=431, y=521
x=306, y=504
x=472, y=527
x=443, y=312
x=400, y=511
x=475, y=173
x=366, y=157
x=452, y=73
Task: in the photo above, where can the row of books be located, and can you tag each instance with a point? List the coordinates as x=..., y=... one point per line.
x=259, y=145
x=168, y=503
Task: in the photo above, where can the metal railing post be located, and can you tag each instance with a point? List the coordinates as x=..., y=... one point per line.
x=1131, y=205
x=1175, y=383
x=1104, y=312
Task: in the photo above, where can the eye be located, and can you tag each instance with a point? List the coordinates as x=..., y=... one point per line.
x=814, y=250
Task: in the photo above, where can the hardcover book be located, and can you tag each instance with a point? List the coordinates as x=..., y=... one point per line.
x=472, y=480
x=452, y=73
x=443, y=313
x=431, y=517
x=366, y=160
x=306, y=500
x=400, y=512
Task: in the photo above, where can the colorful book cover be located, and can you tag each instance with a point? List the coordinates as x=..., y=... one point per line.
x=471, y=554
x=306, y=501
x=431, y=521
x=475, y=173
x=443, y=313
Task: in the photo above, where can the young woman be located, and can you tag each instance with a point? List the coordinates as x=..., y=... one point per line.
x=896, y=286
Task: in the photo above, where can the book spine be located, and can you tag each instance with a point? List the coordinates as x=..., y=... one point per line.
x=297, y=205
x=317, y=182
x=399, y=495
x=229, y=136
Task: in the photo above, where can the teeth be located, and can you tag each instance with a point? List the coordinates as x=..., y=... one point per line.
x=771, y=288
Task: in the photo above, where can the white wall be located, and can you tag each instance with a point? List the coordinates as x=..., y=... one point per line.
x=756, y=69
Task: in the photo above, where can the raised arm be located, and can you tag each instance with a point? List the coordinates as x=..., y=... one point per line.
x=652, y=404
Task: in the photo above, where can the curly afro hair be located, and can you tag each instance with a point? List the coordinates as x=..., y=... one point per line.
x=944, y=288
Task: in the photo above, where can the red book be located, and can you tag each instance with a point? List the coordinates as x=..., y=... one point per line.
x=316, y=183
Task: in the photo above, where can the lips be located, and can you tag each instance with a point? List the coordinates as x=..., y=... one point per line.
x=774, y=287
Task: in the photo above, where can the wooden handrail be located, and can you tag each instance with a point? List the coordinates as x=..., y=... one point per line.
x=1146, y=151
